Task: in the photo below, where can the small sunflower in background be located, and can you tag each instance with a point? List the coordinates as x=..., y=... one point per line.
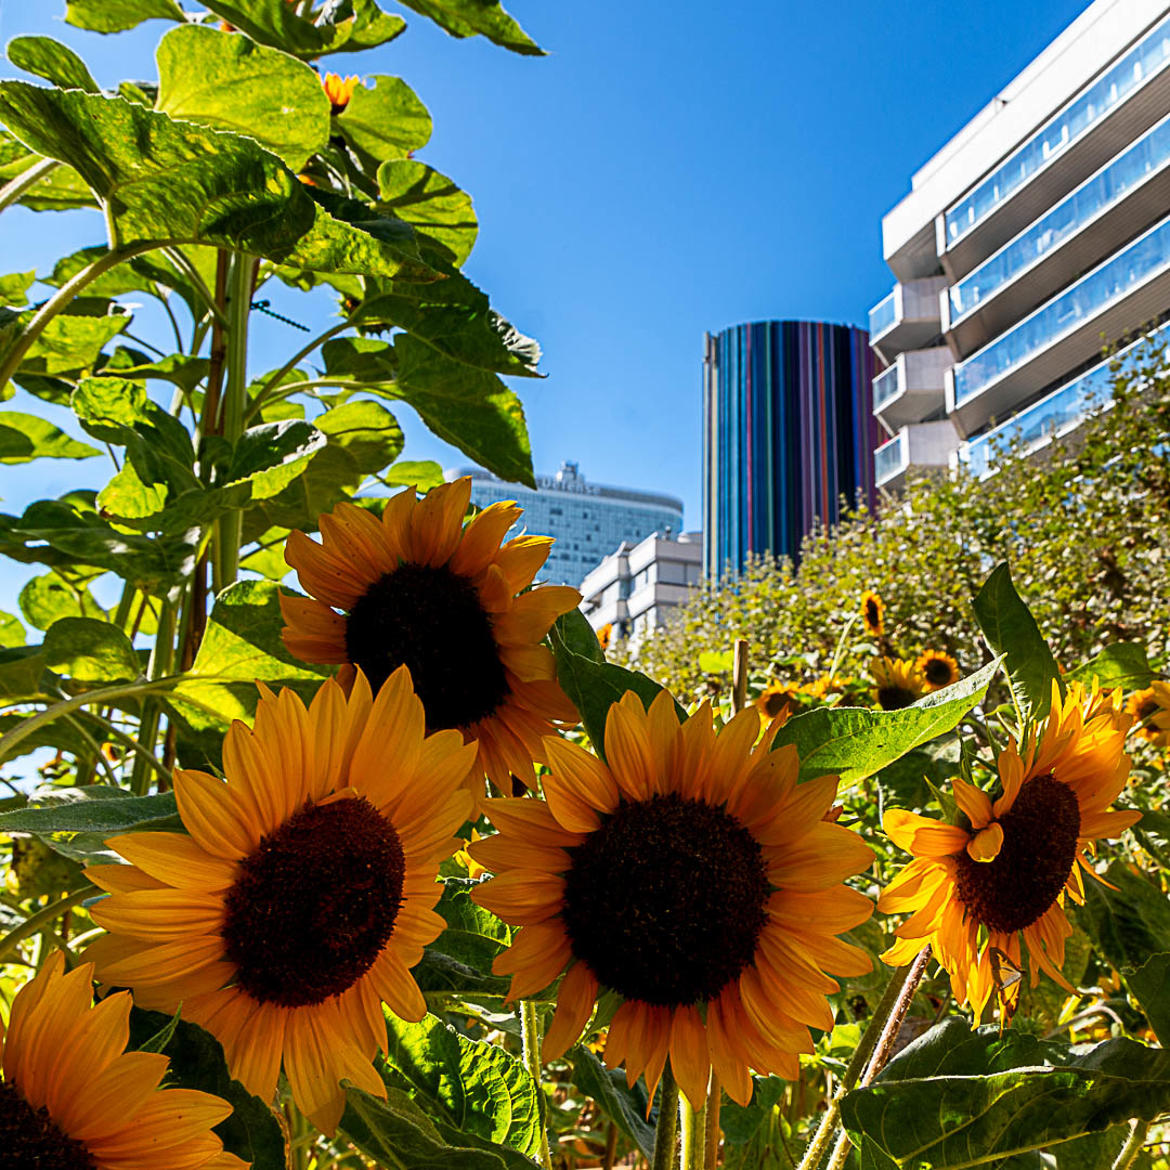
x=873, y=614
x=897, y=683
x=776, y=700
x=339, y=90
x=604, y=635
x=938, y=669
x=1150, y=709
x=982, y=889
x=823, y=686
x=72, y=1098
x=304, y=893
x=451, y=602
x=694, y=877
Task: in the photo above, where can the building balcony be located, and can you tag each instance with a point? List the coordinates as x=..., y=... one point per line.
x=908, y=318
x=913, y=388
x=928, y=444
x=1130, y=287
x=1091, y=222
x=1104, y=117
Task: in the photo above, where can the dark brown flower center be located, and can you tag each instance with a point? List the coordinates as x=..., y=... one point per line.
x=432, y=620
x=30, y=1141
x=665, y=901
x=937, y=671
x=894, y=698
x=1146, y=711
x=1039, y=850
x=873, y=615
x=313, y=906
x=775, y=703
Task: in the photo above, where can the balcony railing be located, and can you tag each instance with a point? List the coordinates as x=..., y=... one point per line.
x=883, y=314
x=887, y=385
x=1145, y=258
x=889, y=459
x=1149, y=57
x=1145, y=158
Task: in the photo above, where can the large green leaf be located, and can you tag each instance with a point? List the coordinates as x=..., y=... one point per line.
x=25, y=437
x=109, y=16
x=166, y=181
x=1151, y=984
x=339, y=28
x=1011, y=630
x=366, y=431
x=242, y=645
x=467, y=18
x=89, y=651
x=1129, y=922
x=385, y=121
x=625, y=1106
x=60, y=189
x=957, y=1098
x=855, y=742
x=70, y=344
x=460, y=960
x=53, y=61
x=252, y=1132
x=227, y=81
x=11, y=631
x=96, y=809
x=1122, y=664
x=474, y=1086
x=14, y=287
x=432, y=204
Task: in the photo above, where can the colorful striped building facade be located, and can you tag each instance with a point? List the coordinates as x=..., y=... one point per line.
x=788, y=430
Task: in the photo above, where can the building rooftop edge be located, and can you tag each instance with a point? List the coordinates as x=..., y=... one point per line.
x=549, y=483
x=787, y=321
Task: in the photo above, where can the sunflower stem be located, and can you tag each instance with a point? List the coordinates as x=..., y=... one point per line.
x=693, y=1131
x=870, y=1055
x=530, y=1040
x=1133, y=1144
x=712, y=1136
x=666, y=1130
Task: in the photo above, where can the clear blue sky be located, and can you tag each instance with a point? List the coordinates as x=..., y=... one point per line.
x=668, y=169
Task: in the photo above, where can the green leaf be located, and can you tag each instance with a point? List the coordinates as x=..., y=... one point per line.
x=1129, y=923
x=1011, y=630
x=166, y=181
x=268, y=457
x=242, y=645
x=252, y=1132
x=21, y=668
x=593, y=684
x=855, y=742
x=467, y=18
x=339, y=28
x=109, y=16
x=626, y=1107
x=386, y=121
x=96, y=809
x=228, y=81
x=986, y=1098
x=366, y=431
x=14, y=287
x=471, y=1085
x=398, y=1135
x=90, y=651
x=25, y=437
x=419, y=474
x=49, y=597
x=53, y=61
x=460, y=959
x=1122, y=664
x=1151, y=984
x=59, y=189
x=70, y=344
x=11, y=631
x=177, y=368
x=430, y=203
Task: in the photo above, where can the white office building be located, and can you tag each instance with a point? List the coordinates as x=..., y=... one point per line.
x=1040, y=229
x=634, y=589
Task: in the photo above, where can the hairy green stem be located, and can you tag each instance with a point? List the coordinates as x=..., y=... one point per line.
x=15, y=188
x=162, y=658
x=291, y=365
x=37, y=922
x=693, y=1134
x=871, y=1053
x=530, y=1040
x=1133, y=1145
x=666, y=1131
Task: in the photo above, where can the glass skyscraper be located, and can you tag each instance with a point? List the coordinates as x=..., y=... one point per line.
x=788, y=430
x=589, y=520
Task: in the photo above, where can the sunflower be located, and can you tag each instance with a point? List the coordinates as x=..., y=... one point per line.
x=825, y=685
x=776, y=701
x=873, y=614
x=1150, y=709
x=938, y=669
x=419, y=589
x=72, y=1098
x=897, y=683
x=339, y=90
x=692, y=876
x=604, y=635
x=304, y=893
x=980, y=887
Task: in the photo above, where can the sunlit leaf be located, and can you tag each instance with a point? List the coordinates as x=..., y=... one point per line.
x=89, y=651
x=467, y=18
x=432, y=204
x=12, y=633
x=626, y=1107
x=276, y=22
x=385, y=120
x=108, y=16
x=95, y=809
x=14, y=287
x=25, y=437
x=53, y=61
x=1123, y=664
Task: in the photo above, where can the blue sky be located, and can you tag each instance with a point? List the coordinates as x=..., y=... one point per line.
x=668, y=169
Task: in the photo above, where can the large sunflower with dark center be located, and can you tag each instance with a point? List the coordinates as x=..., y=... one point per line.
x=306, y=888
x=453, y=603
x=693, y=877
x=72, y=1099
x=897, y=684
x=997, y=882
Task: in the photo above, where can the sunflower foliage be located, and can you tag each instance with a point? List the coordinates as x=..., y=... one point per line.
x=370, y=854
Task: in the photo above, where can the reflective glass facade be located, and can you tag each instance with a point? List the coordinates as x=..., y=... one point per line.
x=883, y=314
x=788, y=430
x=1147, y=157
x=889, y=458
x=1140, y=261
x=1147, y=58
x=887, y=385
